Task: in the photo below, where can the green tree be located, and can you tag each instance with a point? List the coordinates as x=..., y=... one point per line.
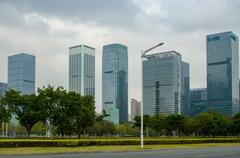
x=26, y=107
x=176, y=123
x=83, y=112
x=102, y=116
x=158, y=123
x=62, y=117
x=49, y=98
x=146, y=121
x=5, y=112
x=102, y=128
x=235, y=125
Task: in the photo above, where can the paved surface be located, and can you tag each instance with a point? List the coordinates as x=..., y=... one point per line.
x=223, y=152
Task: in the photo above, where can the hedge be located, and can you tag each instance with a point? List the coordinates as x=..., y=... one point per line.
x=105, y=142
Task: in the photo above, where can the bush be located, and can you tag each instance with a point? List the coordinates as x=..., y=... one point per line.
x=105, y=142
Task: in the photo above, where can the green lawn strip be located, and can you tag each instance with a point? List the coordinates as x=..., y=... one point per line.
x=55, y=150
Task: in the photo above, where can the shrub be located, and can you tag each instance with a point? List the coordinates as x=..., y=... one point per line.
x=105, y=142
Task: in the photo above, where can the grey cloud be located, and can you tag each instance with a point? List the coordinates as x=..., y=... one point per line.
x=118, y=13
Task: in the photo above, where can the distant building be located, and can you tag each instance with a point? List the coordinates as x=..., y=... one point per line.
x=198, y=101
x=223, y=73
x=21, y=73
x=162, y=83
x=82, y=70
x=115, y=82
x=135, y=109
x=185, y=110
x=3, y=88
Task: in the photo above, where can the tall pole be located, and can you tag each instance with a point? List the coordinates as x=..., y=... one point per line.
x=142, y=134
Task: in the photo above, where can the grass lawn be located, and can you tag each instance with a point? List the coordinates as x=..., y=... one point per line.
x=55, y=150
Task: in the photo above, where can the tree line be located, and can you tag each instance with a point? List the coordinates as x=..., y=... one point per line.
x=68, y=113
x=61, y=111
x=210, y=124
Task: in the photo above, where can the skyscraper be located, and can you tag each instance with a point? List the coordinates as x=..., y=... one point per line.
x=135, y=109
x=115, y=82
x=82, y=70
x=223, y=73
x=3, y=88
x=198, y=101
x=162, y=83
x=21, y=73
x=185, y=110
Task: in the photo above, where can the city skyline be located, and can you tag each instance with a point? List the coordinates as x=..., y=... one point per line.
x=51, y=30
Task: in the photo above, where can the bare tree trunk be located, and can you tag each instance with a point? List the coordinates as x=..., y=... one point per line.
x=2, y=129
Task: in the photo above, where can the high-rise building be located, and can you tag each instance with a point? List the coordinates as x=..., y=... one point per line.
x=21, y=73
x=3, y=88
x=162, y=83
x=82, y=70
x=135, y=109
x=198, y=101
x=185, y=110
x=223, y=73
x=115, y=82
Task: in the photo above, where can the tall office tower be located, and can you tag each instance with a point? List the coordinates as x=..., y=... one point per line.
x=223, y=73
x=115, y=82
x=198, y=101
x=162, y=83
x=185, y=110
x=135, y=109
x=3, y=88
x=82, y=70
x=239, y=95
x=21, y=73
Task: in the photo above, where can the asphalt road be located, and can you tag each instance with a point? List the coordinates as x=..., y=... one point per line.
x=223, y=152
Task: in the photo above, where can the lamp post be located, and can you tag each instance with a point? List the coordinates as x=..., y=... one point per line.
x=143, y=55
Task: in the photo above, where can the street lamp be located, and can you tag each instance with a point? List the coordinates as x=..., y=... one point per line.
x=143, y=55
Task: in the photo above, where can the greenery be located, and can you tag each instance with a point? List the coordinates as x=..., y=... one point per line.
x=7, y=143
x=60, y=111
x=68, y=114
x=206, y=124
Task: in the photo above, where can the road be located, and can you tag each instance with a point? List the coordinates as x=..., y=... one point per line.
x=223, y=152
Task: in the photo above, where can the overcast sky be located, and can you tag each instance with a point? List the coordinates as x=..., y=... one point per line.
x=46, y=28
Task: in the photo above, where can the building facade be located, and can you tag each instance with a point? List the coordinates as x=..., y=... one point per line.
x=82, y=70
x=135, y=109
x=162, y=83
x=21, y=73
x=3, y=88
x=115, y=82
x=185, y=110
x=223, y=73
x=198, y=101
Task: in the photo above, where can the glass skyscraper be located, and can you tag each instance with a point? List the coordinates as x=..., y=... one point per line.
x=162, y=83
x=3, y=88
x=185, y=110
x=82, y=70
x=223, y=73
x=115, y=82
x=198, y=101
x=21, y=73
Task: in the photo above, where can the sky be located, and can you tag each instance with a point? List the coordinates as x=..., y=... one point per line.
x=47, y=28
